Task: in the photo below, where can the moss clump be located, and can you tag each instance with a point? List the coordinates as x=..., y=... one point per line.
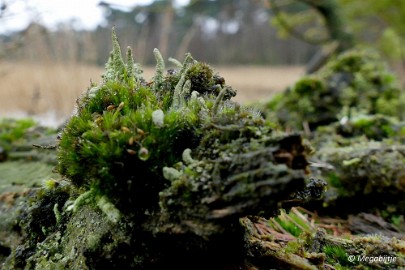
x=352, y=110
x=11, y=131
x=201, y=77
x=356, y=79
x=125, y=131
x=336, y=255
x=373, y=127
x=301, y=103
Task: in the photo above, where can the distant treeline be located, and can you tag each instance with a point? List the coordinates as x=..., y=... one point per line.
x=218, y=32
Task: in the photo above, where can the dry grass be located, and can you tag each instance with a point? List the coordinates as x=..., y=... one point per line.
x=29, y=89
x=40, y=89
x=255, y=83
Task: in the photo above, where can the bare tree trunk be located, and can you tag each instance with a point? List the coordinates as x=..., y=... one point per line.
x=166, y=27
x=185, y=41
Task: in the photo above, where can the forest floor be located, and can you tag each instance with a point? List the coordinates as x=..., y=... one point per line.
x=48, y=91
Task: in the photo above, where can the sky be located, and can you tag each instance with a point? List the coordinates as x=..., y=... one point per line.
x=84, y=13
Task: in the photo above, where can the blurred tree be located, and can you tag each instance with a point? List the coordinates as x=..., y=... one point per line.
x=313, y=21
x=142, y=27
x=379, y=24
x=232, y=31
x=238, y=31
x=11, y=45
x=340, y=24
x=219, y=32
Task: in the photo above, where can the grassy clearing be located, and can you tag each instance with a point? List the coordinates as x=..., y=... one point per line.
x=51, y=89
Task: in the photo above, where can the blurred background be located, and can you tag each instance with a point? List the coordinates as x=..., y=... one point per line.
x=50, y=51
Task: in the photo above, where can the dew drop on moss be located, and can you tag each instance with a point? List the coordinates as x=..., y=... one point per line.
x=143, y=154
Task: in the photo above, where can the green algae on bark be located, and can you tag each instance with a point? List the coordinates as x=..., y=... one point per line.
x=366, y=175
x=23, y=170
x=27, y=164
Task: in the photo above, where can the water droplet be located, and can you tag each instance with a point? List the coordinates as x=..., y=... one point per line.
x=143, y=154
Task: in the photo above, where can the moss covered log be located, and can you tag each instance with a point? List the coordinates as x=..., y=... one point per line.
x=156, y=172
x=171, y=173
x=352, y=111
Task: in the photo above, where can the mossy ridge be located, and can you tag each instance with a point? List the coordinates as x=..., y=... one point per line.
x=370, y=173
x=352, y=111
x=356, y=79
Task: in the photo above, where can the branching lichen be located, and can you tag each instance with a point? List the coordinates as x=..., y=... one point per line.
x=159, y=70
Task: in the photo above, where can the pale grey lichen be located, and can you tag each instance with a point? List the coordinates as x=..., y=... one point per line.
x=83, y=199
x=159, y=70
x=176, y=62
x=115, y=67
x=178, y=98
x=109, y=209
x=130, y=66
x=57, y=213
x=218, y=100
x=187, y=157
x=158, y=118
x=186, y=88
x=188, y=61
x=171, y=174
x=194, y=95
x=93, y=91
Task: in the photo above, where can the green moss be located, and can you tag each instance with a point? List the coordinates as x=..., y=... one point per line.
x=126, y=130
x=294, y=247
x=397, y=220
x=12, y=131
x=334, y=180
x=374, y=127
x=336, y=255
x=273, y=104
x=290, y=223
x=355, y=79
x=201, y=77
